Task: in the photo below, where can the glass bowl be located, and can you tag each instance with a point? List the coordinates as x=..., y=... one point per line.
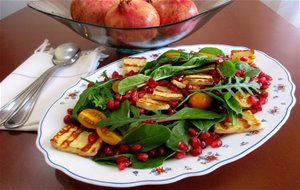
x=133, y=42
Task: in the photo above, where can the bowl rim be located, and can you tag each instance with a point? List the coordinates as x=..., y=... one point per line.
x=31, y=5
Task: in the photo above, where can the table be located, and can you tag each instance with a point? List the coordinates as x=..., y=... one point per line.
x=275, y=165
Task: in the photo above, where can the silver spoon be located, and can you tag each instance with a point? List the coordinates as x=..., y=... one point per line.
x=16, y=112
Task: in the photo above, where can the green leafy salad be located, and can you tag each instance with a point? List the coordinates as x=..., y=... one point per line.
x=169, y=108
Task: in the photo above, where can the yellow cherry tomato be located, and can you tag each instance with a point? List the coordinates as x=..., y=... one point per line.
x=207, y=54
x=110, y=137
x=115, y=86
x=172, y=54
x=90, y=117
x=200, y=100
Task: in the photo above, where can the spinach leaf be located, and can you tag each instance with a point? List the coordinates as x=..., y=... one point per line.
x=205, y=124
x=249, y=71
x=194, y=113
x=179, y=133
x=227, y=68
x=123, y=112
x=149, y=136
x=131, y=82
x=168, y=70
x=232, y=103
x=212, y=50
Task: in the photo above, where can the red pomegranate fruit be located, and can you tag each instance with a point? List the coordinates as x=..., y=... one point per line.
x=91, y=11
x=172, y=11
x=132, y=14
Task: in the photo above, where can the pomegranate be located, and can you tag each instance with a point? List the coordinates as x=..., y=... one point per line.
x=132, y=14
x=91, y=11
x=172, y=11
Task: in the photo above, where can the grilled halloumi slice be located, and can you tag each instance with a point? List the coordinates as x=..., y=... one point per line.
x=147, y=103
x=198, y=79
x=248, y=122
x=249, y=54
x=166, y=94
x=178, y=84
x=74, y=139
x=133, y=64
x=243, y=99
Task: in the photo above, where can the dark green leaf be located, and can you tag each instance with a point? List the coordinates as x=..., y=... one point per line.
x=131, y=82
x=205, y=124
x=227, y=68
x=149, y=136
x=194, y=113
x=233, y=104
x=212, y=50
x=178, y=133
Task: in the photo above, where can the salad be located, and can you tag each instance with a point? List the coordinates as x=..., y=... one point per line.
x=169, y=108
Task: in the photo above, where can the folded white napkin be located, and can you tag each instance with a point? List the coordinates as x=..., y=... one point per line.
x=63, y=78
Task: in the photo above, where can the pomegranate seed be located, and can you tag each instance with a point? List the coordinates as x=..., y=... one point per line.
x=110, y=104
x=216, y=143
x=204, y=135
x=142, y=157
x=264, y=95
x=108, y=150
x=141, y=94
x=90, y=85
x=252, y=100
x=193, y=132
x=239, y=73
x=182, y=146
x=68, y=119
x=209, y=141
x=149, y=89
x=117, y=105
x=188, y=87
x=173, y=103
x=262, y=101
x=180, y=155
x=203, y=144
x=201, y=86
x=173, y=87
x=124, y=148
x=195, y=142
x=152, y=83
x=135, y=148
x=185, y=92
x=92, y=138
x=196, y=151
x=152, y=153
x=180, y=78
x=135, y=98
x=171, y=111
x=117, y=152
x=122, y=159
x=163, y=83
x=228, y=119
x=115, y=74
x=141, y=111
x=70, y=111
x=130, y=73
x=118, y=97
x=149, y=121
x=123, y=165
x=219, y=61
x=161, y=151
x=244, y=58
